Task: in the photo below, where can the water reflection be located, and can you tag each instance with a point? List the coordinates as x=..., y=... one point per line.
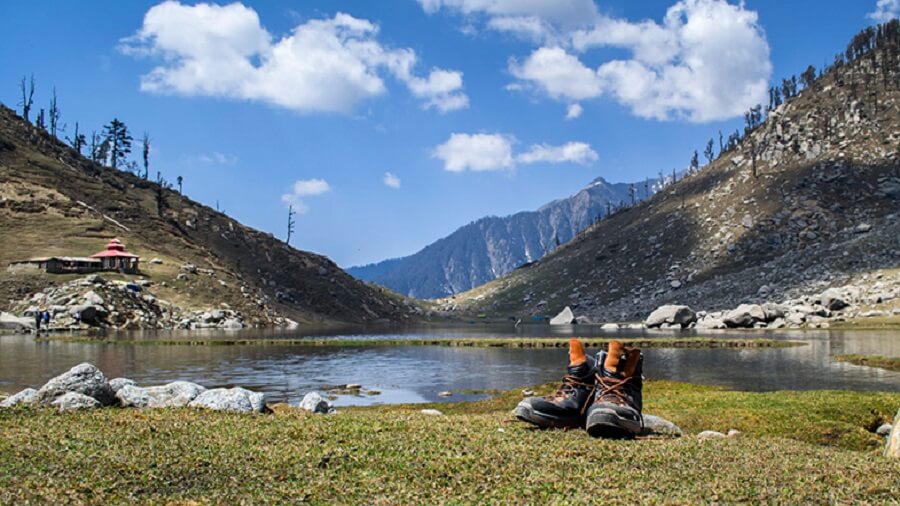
x=418, y=373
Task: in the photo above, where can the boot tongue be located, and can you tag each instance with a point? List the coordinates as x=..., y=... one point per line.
x=581, y=370
x=613, y=356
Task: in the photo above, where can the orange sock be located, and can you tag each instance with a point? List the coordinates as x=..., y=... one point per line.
x=613, y=355
x=576, y=353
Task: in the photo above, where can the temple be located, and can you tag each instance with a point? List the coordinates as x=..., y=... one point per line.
x=113, y=258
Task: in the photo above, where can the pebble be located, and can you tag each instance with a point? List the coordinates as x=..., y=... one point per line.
x=710, y=434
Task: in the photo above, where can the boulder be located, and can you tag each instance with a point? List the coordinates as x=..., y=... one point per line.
x=84, y=379
x=117, y=383
x=744, y=316
x=231, y=324
x=88, y=314
x=173, y=395
x=892, y=450
x=833, y=299
x=711, y=323
x=795, y=318
x=12, y=322
x=656, y=426
x=565, y=317
x=610, y=326
x=773, y=312
x=27, y=396
x=672, y=315
x=74, y=401
x=315, y=403
x=234, y=400
x=91, y=298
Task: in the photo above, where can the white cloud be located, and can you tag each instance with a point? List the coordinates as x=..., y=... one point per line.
x=574, y=152
x=530, y=19
x=708, y=60
x=478, y=152
x=485, y=152
x=304, y=188
x=216, y=158
x=322, y=65
x=391, y=180
x=885, y=10
x=574, y=111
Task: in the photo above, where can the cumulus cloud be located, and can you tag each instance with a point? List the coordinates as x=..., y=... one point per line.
x=574, y=152
x=322, y=65
x=478, y=152
x=304, y=188
x=885, y=10
x=391, y=180
x=486, y=152
x=574, y=111
x=529, y=19
x=708, y=60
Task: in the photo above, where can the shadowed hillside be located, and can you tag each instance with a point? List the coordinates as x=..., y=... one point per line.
x=55, y=202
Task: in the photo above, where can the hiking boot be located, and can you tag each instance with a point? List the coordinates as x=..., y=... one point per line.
x=616, y=410
x=564, y=408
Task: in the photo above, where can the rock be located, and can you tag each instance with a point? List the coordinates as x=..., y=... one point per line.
x=117, y=383
x=862, y=228
x=10, y=321
x=675, y=284
x=84, y=379
x=156, y=261
x=91, y=315
x=233, y=400
x=773, y=312
x=833, y=299
x=176, y=394
x=74, y=401
x=565, y=317
x=672, y=315
x=892, y=450
x=527, y=392
x=744, y=316
x=710, y=434
x=583, y=320
x=231, y=324
x=27, y=396
x=656, y=426
x=431, y=412
x=733, y=433
x=610, y=326
x=132, y=396
x=445, y=394
x=884, y=430
x=711, y=323
x=795, y=319
x=91, y=298
x=315, y=403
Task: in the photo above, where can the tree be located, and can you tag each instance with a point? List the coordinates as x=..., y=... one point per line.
x=118, y=140
x=808, y=77
x=78, y=140
x=708, y=152
x=145, y=142
x=54, y=114
x=647, y=188
x=632, y=192
x=180, y=180
x=27, y=89
x=721, y=144
x=99, y=148
x=695, y=162
x=39, y=121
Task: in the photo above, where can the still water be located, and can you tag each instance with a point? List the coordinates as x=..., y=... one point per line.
x=285, y=372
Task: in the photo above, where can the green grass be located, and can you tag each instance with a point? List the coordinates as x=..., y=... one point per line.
x=475, y=342
x=796, y=447
x=889, y=363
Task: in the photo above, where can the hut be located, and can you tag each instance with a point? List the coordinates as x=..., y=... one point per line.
x=115, y=258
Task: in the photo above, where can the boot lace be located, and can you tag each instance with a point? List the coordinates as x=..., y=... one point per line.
x=569, y=384
x=613, y=390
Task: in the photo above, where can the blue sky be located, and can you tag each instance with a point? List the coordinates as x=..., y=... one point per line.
x=392, y=123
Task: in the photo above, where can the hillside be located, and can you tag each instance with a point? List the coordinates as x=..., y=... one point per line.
x=55, y=202
x=493, y=246
x=810, y=199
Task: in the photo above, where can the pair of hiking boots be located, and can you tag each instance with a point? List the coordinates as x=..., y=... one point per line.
x=602, y=394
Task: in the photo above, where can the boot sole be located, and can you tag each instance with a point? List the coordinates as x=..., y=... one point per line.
x=528, y=414
x=610, y=426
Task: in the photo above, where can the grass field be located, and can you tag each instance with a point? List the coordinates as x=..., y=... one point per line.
x=795, y=447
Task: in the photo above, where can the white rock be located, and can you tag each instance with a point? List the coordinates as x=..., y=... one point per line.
x=710, y=434
x=745, y=315
x=234, y=400
x=884, y=430
x=315, y=403
x=27, y=396
x=565, y=317
x=610, y=326
x=431, y=412
x=445, y=394
x=91, y=298
x=10, y=321
x=671, y=314
x=74, y=401
x=83, y=379
x=117, y=383
x=656, y=426
x=734, y=433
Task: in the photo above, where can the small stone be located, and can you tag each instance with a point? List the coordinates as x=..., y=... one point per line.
x=431, y=412
x=445, y=394
x=710, y=434
x=657, y=426
x=527, y=392
x=734, y=433
x=884, y=430
x=74, y=401
x=315, y=403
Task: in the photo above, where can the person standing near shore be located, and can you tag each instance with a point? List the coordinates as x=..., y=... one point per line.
x=37, y=322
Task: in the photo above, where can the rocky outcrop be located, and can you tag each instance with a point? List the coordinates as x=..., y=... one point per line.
x=83, y=379
x=173, y=395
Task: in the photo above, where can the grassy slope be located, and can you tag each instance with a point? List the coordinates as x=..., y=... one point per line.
x=797, y=447
x=42, y=181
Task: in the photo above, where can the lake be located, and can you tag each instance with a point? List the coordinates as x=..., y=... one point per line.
x=404, y=373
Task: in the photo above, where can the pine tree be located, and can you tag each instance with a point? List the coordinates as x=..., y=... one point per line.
x=118, y=140
x=290, y=224
x=78, y=140
x=695, y=163
x=708, y=152
x=54, y=114
x=808, y=77
x=145, y=142
x=180, y=180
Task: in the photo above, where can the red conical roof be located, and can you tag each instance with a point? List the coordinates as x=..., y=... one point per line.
x=114, y=248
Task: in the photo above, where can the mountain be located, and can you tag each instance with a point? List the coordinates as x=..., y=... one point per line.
x=493, y=246
x=54, y=202
x=809, y=199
